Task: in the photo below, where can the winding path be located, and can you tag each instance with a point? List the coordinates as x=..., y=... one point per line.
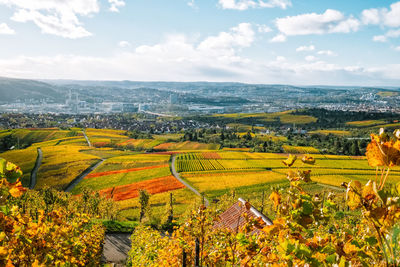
x=36, y=168
x=82, y=175
x=176, y=175
x=87, y=138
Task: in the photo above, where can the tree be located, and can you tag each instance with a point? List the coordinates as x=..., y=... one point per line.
x=144, y=199
x=355, y=149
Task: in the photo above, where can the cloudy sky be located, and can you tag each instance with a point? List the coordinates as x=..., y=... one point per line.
x=309, y=42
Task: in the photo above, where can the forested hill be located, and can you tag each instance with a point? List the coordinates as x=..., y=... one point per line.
x=12, y=90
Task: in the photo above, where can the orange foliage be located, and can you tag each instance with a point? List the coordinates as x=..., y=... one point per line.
x=153, y=186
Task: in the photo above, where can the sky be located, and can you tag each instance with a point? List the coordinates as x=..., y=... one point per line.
x=313, y=42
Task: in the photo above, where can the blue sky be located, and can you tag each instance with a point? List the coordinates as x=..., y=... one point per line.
x=255, y=41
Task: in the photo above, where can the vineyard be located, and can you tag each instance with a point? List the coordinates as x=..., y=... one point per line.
x=285, y=117
x=219, y=172
x=153, y=186
x=300, y=149
x=34, y=135
x=366, y=123
x=187, y=145
x=62, y=164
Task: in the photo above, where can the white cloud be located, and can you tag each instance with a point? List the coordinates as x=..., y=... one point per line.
x=214, y=58
x=192, y=4
x=383, y=16
x=387, y=35
x=115, y=5
x=379, y=38
x=397, y=48
x=331, y=21
x=226, y=42
x=280, y=59
x=326, y=53
x=54, y=16
x=280, y=38
x=370, y=16
x=305, y=48
x=311, y=58
x=246, y=4
x=263, y=28
x=4, y=29
x=124, y=44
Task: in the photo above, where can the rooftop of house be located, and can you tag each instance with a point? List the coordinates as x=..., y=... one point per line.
x=234, y=218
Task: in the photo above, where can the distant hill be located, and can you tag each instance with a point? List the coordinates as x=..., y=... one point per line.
x=21, y=89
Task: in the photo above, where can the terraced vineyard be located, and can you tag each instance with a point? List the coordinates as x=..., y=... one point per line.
x=247, y=173
x=121, y=178
x=210, y=170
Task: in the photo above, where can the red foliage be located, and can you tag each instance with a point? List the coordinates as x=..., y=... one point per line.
x=153, y=186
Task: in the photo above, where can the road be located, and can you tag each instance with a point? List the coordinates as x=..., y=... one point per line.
x=87, y=138
x=176, y=175
x=82, y=175
x=36, y=168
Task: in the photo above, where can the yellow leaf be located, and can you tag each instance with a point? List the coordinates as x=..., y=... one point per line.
x=17, y=189
x=381, y=153
x=349, y=248
x=290, y=160
x=368, y=191
x=308, y=160
x=3, y=251
x=276, y=198
x=36, y=264
x=353, y=194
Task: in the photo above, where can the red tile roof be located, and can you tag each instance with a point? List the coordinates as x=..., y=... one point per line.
x=233, y=217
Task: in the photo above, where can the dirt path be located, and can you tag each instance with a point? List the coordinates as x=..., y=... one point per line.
x=36, y=168
x=176, y=175
x=82, y=175
x=116, y=248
